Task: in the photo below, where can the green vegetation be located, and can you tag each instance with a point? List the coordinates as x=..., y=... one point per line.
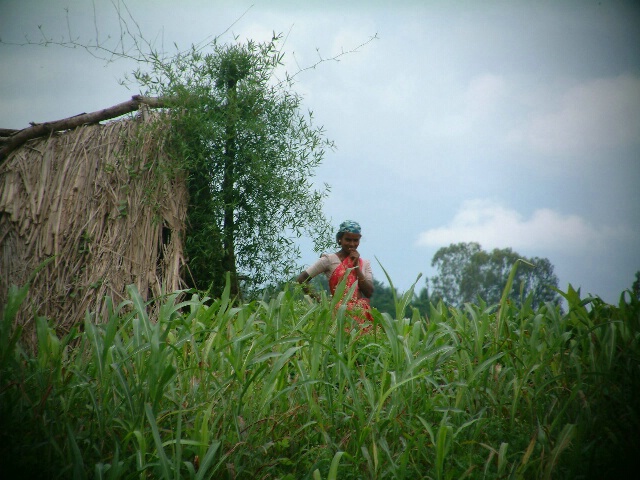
x=468, y=274
x=278, y=389
x=248, y=152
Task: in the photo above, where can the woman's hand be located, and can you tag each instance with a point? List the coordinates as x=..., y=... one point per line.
x=354, y=255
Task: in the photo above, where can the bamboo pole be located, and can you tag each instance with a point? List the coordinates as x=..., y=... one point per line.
x=19, y=137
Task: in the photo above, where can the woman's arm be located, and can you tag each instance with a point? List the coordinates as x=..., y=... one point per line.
x=303, y=277
x=365, y=282
x=318, y=267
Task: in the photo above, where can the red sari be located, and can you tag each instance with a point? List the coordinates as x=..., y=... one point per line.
x=358, y=307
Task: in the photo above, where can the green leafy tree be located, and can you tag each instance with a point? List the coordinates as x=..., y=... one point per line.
x=421, y=301
x=635, y=289
x=382, y=298
x=466, y=272
x=250, y=153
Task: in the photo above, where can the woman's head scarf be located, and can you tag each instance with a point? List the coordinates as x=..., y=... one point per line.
x=348, y=226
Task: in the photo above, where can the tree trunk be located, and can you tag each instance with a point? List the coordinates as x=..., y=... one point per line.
x=228, y=193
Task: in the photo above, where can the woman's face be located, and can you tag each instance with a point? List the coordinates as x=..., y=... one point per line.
x=350, y=241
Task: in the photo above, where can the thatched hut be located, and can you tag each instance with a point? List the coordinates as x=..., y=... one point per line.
x=94, y=200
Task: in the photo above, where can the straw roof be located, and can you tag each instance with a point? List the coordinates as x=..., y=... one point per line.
x=94, y=198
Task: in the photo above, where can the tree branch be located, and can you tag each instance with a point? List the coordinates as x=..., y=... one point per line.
x=19, y=137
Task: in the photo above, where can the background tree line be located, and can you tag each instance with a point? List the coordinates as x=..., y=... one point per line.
x=469, y=274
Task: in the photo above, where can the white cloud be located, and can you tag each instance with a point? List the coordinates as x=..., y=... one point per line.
x=495, y=226
x=601, y=113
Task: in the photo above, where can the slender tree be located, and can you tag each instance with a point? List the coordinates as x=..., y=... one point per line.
x=250, y=154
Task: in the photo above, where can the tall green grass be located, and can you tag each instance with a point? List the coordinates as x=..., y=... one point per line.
x=281, y=389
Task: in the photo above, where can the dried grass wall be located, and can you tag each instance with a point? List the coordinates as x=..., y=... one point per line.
x=92, y=198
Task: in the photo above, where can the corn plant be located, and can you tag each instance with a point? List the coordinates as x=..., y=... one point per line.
x=186, y=386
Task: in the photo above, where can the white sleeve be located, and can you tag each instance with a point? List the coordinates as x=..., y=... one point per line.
x=368, y=273
x=320, y=266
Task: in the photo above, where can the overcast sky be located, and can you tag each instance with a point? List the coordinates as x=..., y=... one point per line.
x=512, y=123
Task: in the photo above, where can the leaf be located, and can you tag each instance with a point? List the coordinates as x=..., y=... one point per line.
x=562, y=443
x=335, y=463
x=207, y=460
x=164, y=460
x=78, y=463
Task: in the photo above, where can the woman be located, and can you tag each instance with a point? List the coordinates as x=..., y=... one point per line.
x=347, y=262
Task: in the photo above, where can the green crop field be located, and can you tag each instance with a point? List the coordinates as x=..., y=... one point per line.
x=285, y=389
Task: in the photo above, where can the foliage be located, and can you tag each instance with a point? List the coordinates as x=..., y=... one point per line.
x=466, y=273
x=422, y=301
x=279, y=389
x=250, y=154
x=383, y=298
x=635, y=289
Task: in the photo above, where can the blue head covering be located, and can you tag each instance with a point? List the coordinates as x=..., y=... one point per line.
x=348, y=226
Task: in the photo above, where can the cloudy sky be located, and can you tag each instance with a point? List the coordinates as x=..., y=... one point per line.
x=509, y=123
